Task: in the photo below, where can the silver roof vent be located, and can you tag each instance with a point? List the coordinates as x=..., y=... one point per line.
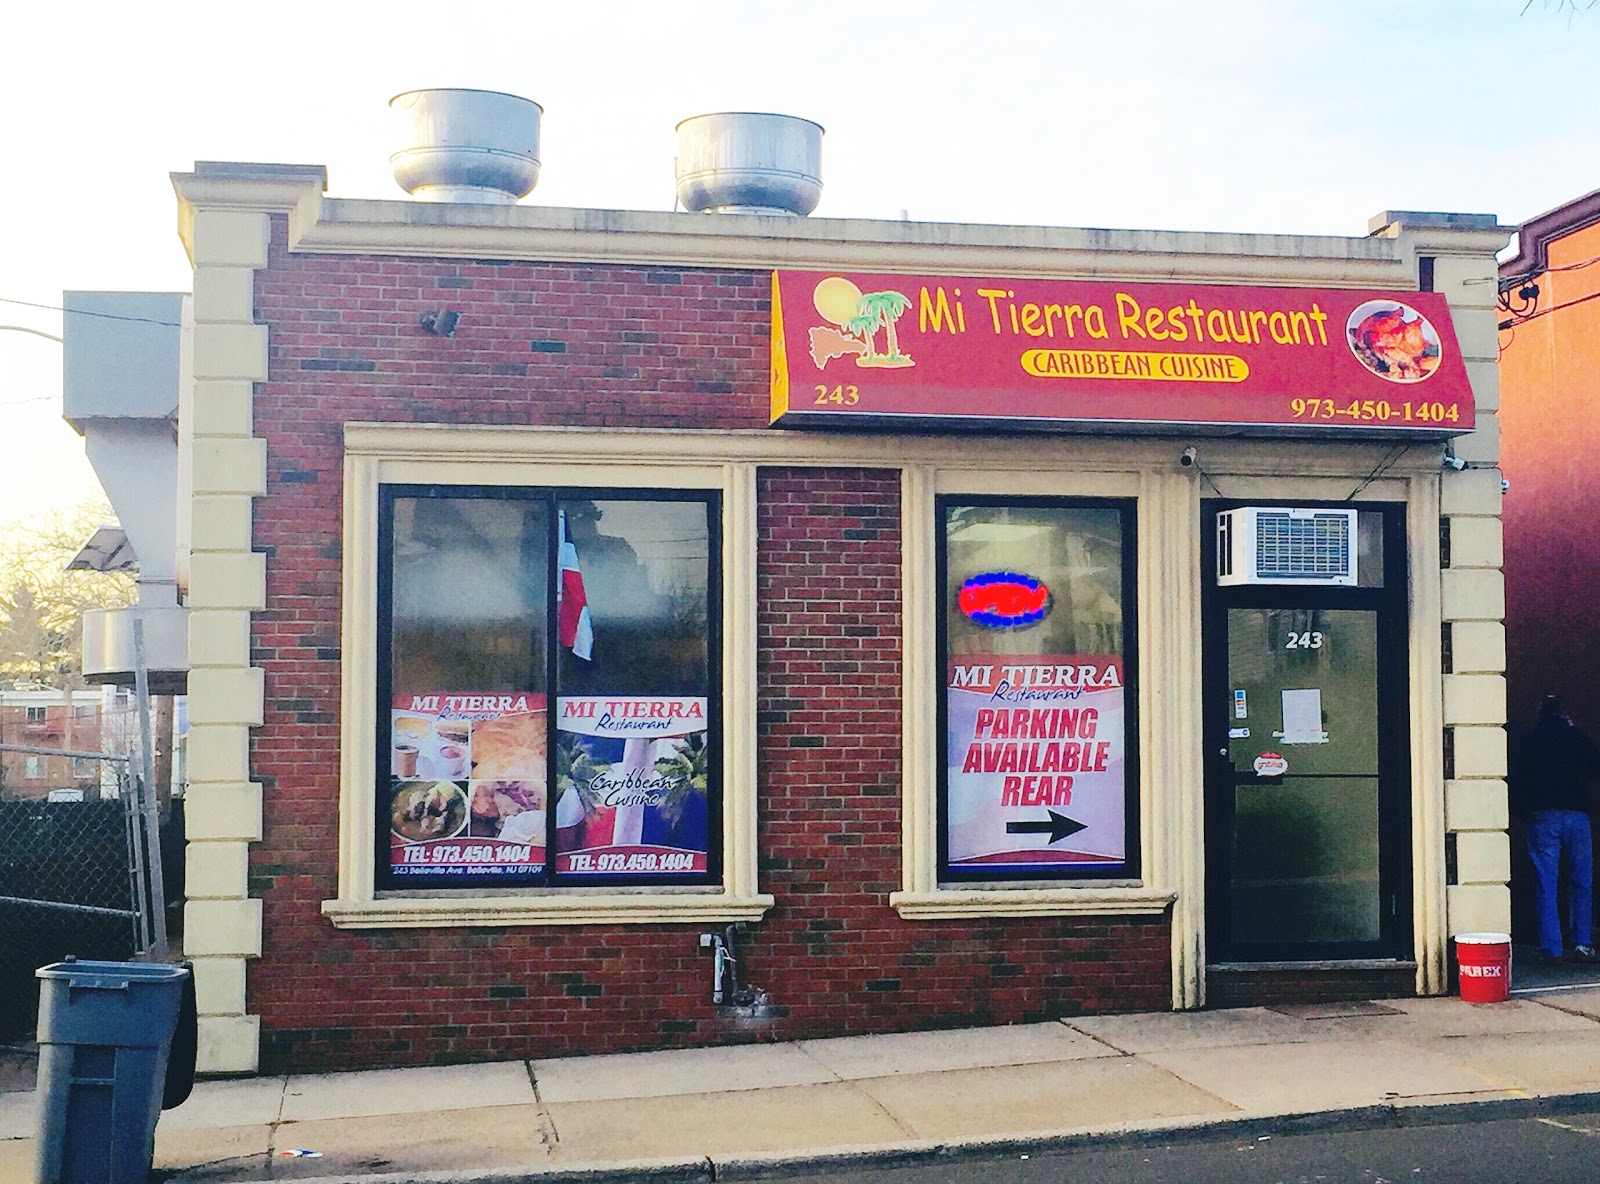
x=476, y=146
x=742, y=162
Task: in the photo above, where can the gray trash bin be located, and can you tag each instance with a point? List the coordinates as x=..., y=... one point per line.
x=105, y=1030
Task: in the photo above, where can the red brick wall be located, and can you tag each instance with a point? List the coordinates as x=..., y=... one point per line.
x=598, y=347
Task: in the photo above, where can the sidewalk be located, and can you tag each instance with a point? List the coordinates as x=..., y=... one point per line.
x=756, y=1109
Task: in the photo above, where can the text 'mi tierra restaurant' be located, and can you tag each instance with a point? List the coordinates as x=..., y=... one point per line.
x=615, y=630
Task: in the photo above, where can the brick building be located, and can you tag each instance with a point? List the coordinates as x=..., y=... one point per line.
x=1549, y=355
x=550, y=615
x=50, y=720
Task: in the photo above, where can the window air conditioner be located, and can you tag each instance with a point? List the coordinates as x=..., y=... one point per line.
x=1282, y=545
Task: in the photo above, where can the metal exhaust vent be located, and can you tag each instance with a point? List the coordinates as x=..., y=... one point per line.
x=742, y=162
x=475, y=146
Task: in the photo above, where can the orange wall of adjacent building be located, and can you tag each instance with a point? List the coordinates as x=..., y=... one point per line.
x=1550, y=450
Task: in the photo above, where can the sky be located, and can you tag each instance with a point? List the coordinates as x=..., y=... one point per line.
x=1273, y=116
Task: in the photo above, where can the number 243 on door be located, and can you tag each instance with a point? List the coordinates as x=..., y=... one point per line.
x=1303, y=641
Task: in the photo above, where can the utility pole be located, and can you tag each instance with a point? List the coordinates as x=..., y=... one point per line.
x=166, y=709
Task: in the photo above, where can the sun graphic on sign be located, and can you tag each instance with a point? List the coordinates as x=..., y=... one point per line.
x=857, y=318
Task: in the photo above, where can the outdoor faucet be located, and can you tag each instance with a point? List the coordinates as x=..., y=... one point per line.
x=723, y=969
x=725, y=965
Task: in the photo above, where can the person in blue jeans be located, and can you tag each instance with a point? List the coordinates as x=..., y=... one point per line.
x=1560, y=762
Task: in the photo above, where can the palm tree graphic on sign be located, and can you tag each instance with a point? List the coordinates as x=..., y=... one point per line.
x=857, y=318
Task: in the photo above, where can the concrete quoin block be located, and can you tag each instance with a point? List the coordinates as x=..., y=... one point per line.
x=1474, y=699
x=232, y=465
x=1468, y=281
x=1485, y=379
x=1483, y=857
x=225, y=294
x=1476, y=542
x=222, y=407
x=1481, y=446
x=219, y=637
x=228, y=350
x=216, y=870
x=228, y=580
x=222, y=927
x=1480, y=751
x=1478, y=908
x=1472, y=593
x=216, y=811
x=228, y=1044
x=1477, y=647
x=1475, y=805
x=219, y=985
x=221, y=753
x=1471, y=491
x=1477, y=332
x=220, y=522
x=230, y=238
x=226, y=696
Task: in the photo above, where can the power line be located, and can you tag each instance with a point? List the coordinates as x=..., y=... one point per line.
x=1506, y=281
x=1514, y=321
x=84, y=312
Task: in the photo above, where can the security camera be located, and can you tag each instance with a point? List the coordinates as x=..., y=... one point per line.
x=1188, y=458
x=1454, y=462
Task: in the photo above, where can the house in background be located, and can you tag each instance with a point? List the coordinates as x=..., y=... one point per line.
x=77, y=721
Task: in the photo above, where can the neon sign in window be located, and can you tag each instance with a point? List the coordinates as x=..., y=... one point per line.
x=1004, y=600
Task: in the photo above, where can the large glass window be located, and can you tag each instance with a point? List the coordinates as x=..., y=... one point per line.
x=1038, y=777
x=548, y=657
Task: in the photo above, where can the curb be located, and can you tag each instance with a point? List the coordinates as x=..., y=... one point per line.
x=776, y=1165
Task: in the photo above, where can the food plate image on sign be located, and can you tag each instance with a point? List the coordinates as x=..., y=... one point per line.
x=1035, y=763
x=467, y=788
x=854, y=349
x=632, y=777
x=1394, y=341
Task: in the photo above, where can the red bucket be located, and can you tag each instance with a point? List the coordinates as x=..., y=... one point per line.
x=1485, y=961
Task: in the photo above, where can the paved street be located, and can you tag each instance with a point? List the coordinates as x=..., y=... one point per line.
x=1562, y=1149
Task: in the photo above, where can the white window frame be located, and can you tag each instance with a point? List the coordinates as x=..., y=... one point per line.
x=33, y=768
x=416, y=455
x=922, y=895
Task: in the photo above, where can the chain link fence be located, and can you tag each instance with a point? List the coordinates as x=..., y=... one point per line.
x=74, y=876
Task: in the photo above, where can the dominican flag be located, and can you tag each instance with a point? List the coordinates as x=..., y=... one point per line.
x=573, y=622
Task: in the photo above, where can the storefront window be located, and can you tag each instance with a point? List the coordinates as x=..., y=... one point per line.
x=1038, y=777
x=549, y=659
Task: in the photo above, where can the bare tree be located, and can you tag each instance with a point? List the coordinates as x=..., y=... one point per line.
x=42, y=603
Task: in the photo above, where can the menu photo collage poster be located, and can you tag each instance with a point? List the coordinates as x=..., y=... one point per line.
x=470, y=777
x=468, y=786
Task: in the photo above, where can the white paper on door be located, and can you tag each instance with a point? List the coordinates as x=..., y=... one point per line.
x=1302, y=717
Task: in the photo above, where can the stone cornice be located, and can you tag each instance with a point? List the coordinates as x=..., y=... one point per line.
x=318, y=224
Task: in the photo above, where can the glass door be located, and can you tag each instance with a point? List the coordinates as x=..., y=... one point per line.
x=1307, y=776
x=1303, y=749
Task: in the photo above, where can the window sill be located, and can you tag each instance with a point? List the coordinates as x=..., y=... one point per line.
x=954, y=904
x=612, y=908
